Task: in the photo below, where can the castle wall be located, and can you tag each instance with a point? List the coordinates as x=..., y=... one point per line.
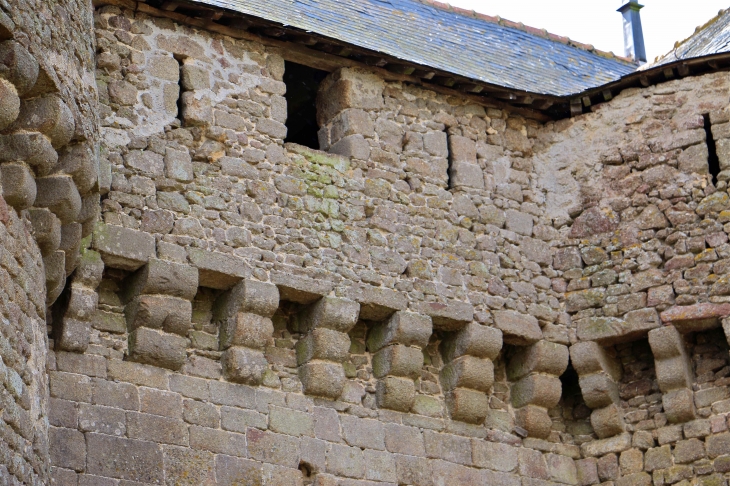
x=398, y=308
x=47, y=95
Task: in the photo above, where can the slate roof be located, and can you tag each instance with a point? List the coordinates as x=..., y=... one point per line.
x=711, y=38
x=475, y=46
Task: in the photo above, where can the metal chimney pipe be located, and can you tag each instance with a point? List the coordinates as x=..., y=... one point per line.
x=633, y=33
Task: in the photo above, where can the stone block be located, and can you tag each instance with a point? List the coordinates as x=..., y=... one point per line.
x=673, y=373
x=520, y=223
x=217, y=270
x=537, y=389
x=82, y=303
x=517, y=329
x=165, y=277
x=331, y=313
x=46, y=229
x=9, y=104
x=666, y=342
x=465, y=174
x=300, y=289
x=122, y=458
x=54, y=266
x=377, y=303
x=32, y=148
x=18, y=66
x=178, y=165
x=352, y=121
x=406, y=328
x=395, y=393
x=541, y=357
x=73, y=335
x=244, y=365
x=18, y=185
x=345, y=461
x=467, y=405
x=658, y=458
x=468, y=372
x=59, y=194
x=322, y=379
x=473, y=340
x=494, y=455
x=561, y=469
x=67, y=448
x=535, y=420
x=348, y=88
x=194, y=77
x=248, y=330
x=157, y=348
x=587, y=472
x=679, y=405
x=590, y=357
x=450, y=316
x=123, y=248
x=70, y=242
x=172, y=314
x=608, y=421
x=248, y=296
x=354, y=146
x=718, y=445
x=598, y=390
x=398, y=360
x=601, y=447
x=323, y=344
x=196, y=111
x=462, y=149
x=81, y=163
x=48, y=115
x=686, y=451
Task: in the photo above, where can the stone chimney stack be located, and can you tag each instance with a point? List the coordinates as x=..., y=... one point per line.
x=633, y=33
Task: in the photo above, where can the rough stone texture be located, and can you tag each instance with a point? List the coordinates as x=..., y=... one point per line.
x=253, y=311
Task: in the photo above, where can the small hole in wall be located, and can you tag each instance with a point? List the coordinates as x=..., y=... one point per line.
x=712, y=161
x=302, y=84
x=180, y=62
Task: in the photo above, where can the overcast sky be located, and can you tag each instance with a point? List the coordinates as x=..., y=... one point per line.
x=597, y=22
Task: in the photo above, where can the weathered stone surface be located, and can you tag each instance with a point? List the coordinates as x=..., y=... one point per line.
x=517, y=329
x=48, y=115
x=322, y=379
x=18, y=66
x=679, y=405
x=377, y=303
x=396, y=393
x=9, y=104
x=171, y=314
x=541, y=357
x=217, y=270
x=59, y=194
x=398, y=360
x=450, y=316
x=536, y=389
x=589, y=357
x=695, y=317
x=165, y=277
x=594, y=221
x=602, y=447
x=468, y=372
x=244, y=365
x=535, y=420
x=608, y=421
x=323, y=344
x=46, y=229
x=406, y=328
x=128, y=459
x=467, y=405
x=331, y=313
x=599, y=390
x=123, y=247
x=157, y=348
x=248, y=296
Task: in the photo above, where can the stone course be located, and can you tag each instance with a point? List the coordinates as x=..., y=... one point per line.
x=445, y=293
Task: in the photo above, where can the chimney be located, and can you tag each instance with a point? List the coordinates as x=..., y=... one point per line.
x=633, y=34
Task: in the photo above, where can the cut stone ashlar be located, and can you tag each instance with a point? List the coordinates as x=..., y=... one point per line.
x=244, y=365
x=406, y=328
x=398, y=360
x=165, y=277
x=467, y=405
x=157, y=348
x=468, y=372
x=537, y=389
x=323, y=344
x=608, y=421
x=395, y=393
x=535, y=420
x=323, y=379
x=331, y=313
x=590, y=357
x=474, y=340
x=171, y=314
x=541, y=357
x=248, y=296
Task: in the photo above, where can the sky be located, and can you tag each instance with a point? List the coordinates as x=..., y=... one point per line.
x=597, y=22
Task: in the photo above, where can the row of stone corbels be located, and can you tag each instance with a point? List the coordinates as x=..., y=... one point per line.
x=674, y=373
x=534, y=371
x=598, y=375
x=39, y=170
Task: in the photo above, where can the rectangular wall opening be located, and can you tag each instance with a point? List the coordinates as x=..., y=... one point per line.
x=302, y=84
x=712, y=160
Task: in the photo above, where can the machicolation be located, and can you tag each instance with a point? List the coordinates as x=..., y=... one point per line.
x=236, y=250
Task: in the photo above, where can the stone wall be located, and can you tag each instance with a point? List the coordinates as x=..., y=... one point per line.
x=447, y=293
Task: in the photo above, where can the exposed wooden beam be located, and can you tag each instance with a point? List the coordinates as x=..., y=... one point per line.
x=576, y=107
x=542, y=104
x=644, y=80
x=169, y=6
x=668, y=73
x=607, y=95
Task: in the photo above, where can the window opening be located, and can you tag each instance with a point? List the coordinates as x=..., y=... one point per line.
x=712, y=161
x=302, y=84
x=179, y=60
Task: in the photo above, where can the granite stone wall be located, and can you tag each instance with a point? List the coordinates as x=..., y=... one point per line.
x=445, y=293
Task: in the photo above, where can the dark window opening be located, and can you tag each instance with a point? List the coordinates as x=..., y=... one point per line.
x=302, y=84
x=575, y=414
x=712, y=161
x=182, y=90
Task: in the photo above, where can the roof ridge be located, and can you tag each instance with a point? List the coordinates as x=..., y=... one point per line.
x=543, y=33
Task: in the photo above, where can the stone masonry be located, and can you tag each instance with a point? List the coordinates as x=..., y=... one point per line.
x=446, y=293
